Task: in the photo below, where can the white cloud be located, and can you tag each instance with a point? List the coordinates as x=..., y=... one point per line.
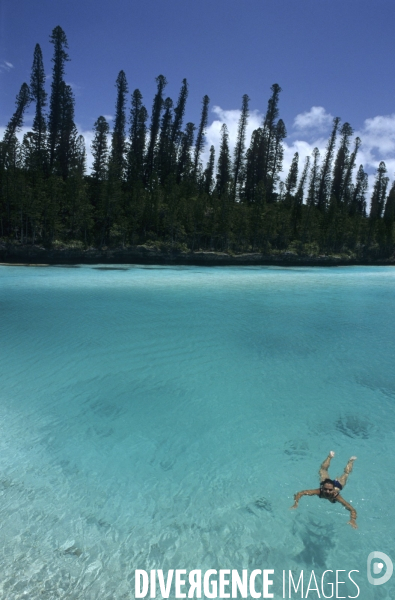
x=377, y=135
x=88, y=136
x=75, y=88
x=311, y=129
x=316, y=119
x=231, y=119
x=20, y=134
x=5, y=66
x=298, y=142
x=378, y=138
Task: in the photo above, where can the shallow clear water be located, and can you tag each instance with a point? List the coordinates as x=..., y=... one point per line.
x=163, y=418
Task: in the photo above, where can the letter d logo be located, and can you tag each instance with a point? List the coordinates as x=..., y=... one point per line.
x=377, y=567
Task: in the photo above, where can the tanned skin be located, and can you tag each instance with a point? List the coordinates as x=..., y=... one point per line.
x=330, y=492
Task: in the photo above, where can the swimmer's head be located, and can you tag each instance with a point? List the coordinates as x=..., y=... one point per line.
x=329, y=488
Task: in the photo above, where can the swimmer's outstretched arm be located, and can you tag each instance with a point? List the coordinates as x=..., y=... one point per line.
x=353, y=512
x=298, y=496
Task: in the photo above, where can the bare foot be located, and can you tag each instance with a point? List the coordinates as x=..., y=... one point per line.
x=332, y=454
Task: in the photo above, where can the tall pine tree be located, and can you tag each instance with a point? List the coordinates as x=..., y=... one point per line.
x=358, y=198
x=325, y=175
x=59, y=41
x=275, y=165
x=100, y=149
x=155, y=125
x=11, y=188
x=68, y=156
x=179, y=112
x=200, y=134
x=269, y=140
x=346, y=193
x=341, y=162
x=15, y=124
x=209, y=172
x=292, y=177
x=137, y=137
x=253, y=166
x=165, y=146
x=239, y=152
x=184, y=165
x=379, y=192
x=224, y=163
x=118, y=143
x=39, y=96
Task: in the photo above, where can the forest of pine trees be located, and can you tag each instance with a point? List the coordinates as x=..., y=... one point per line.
x=148, y=184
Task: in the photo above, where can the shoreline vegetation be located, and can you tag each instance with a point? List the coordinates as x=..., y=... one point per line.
x=27, y=255
x=149, y=198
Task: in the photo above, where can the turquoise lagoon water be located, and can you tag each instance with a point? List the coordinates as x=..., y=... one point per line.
x=163, y=418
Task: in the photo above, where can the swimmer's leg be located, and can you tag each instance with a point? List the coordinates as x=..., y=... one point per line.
x=325, y=466
x=347, y=470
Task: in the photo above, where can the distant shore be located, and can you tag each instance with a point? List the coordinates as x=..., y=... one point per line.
x=19, y=254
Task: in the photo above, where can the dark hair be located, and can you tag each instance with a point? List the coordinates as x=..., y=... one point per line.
x=327, y=481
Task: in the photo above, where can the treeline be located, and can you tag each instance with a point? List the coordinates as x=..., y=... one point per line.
x=148, y=183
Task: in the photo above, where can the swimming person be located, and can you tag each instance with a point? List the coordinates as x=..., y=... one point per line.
x=330, y=488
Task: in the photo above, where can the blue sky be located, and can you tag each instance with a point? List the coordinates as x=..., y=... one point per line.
x=331, y=58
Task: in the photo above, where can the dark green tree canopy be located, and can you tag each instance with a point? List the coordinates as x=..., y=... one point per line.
x=147, y=185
